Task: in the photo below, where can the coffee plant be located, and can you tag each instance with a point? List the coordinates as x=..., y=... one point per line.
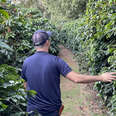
x=16, y=28
x=93, y=40
x=12, y=94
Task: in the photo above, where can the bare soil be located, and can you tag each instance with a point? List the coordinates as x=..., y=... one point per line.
x=78, y=99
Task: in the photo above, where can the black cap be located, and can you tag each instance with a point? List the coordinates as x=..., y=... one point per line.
x=40, y=37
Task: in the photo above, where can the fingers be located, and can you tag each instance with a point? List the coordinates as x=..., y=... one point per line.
x=113, y=73
x=113, y=76
x=109, y=81
x=113, y=79
x=109, y=76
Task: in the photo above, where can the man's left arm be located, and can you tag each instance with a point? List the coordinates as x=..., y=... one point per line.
x=23, y=75
x=25, y=85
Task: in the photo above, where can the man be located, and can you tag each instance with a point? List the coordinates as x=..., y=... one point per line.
x=41, y=72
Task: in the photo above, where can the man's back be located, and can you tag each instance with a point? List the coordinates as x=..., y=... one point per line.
x=42, y=73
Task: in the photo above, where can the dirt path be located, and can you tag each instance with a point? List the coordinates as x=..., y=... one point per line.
x=78, y=99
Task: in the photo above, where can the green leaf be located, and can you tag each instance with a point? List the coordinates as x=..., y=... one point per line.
x=3, y=105
x=4, y=13
x=4, y=45
x=2, y=0
x=31, y=92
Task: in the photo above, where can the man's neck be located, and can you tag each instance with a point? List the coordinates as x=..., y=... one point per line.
x=42, y=49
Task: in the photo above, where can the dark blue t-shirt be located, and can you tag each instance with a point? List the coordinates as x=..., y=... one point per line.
x=42, y=72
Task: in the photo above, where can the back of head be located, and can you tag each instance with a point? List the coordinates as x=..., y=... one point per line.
x=40, y=37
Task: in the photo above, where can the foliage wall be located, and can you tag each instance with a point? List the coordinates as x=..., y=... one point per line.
x=93, y=40
x=16, y=28
x=58, y=10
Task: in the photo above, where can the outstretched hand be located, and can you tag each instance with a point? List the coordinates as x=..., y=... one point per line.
x=108, y=76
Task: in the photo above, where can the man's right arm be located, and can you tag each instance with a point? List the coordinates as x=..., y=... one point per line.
x=66, y=71
x=81, y=78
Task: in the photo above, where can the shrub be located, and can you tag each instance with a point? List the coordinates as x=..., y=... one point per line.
x=92, y=39
x=15, y=45
x=17, y=33
x=12, y=94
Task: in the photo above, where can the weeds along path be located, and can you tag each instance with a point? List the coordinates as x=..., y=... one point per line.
x=78, y=99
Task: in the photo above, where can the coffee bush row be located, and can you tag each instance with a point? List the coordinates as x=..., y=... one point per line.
x=15, y=45
x=92, y=38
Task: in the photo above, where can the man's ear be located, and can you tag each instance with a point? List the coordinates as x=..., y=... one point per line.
x=48, y=42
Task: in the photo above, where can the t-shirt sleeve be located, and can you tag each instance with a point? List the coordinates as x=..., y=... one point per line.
x=23, y=75
x=63, y=67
